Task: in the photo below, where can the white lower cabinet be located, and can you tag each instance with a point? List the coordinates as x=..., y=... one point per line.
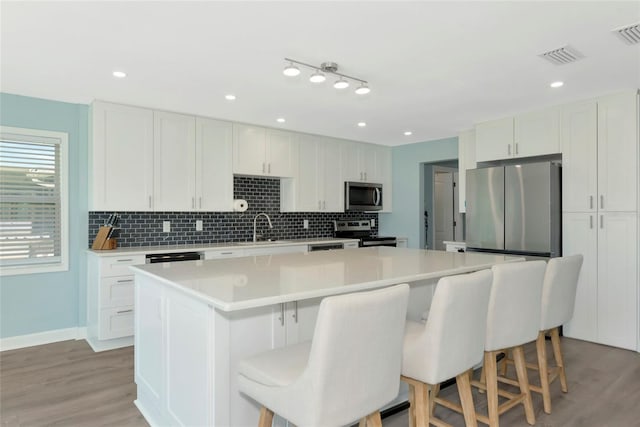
x=606, y=307
x=110, y=308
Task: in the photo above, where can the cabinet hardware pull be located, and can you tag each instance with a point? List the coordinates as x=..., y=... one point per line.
x=125, y=311
x=509, y=149
x=601, y=221
x=125, y=281
x=324, y=204
x=124, y=260
x=601, y=201
x=226, y=253
x=319, y=205
x=269, y=168
x=591, y=221
x=295, y=311
x=365, y=176
x=282, y=314
x=516, y=148
x=263, y=168
x=590, y=202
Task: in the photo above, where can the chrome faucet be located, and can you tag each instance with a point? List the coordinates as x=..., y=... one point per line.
x=255, y=219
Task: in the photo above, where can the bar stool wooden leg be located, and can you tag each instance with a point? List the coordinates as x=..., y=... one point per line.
x=422, y=405
x=483, y=377
x=371, y=420
x=557, y=352
x=266, y=417
x=435, y=389
x=541, y=347
x=504, y=364
x=466, y=399
x=523, y=380
x=412, y=405
x=491, y=380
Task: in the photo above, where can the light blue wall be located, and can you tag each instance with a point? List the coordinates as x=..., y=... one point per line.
x=48, y=301
x=407, y=218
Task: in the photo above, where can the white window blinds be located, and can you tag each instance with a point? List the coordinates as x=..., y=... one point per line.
x=32, y=197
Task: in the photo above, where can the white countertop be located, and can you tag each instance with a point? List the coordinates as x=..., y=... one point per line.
x=247, y=282
x=214, y=246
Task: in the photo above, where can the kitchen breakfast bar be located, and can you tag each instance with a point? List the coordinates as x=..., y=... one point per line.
x=196, y=320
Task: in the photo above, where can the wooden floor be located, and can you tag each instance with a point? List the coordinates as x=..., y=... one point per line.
x=67, y=384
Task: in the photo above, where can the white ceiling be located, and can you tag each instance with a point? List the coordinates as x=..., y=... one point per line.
x=434, y=68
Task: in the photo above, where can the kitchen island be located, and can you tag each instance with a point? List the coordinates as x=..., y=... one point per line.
x=196, y=320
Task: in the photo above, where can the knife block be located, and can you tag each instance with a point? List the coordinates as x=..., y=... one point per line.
x=102, y=242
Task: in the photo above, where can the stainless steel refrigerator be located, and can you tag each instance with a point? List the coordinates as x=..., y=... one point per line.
x=514, y=209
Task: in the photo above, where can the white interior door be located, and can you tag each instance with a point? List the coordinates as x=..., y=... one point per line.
x=443, y=208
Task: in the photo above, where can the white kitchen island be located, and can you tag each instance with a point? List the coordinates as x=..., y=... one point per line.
x=195, y=320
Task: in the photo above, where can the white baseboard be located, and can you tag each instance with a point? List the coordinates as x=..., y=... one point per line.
x=48, y=337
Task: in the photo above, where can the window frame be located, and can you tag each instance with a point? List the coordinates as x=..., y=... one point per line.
x=62, y=139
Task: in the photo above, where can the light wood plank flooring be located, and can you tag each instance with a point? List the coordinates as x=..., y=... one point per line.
x=67, y=384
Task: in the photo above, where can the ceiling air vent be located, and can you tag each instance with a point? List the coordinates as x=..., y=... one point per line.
x=629, y=34
x=561, y=56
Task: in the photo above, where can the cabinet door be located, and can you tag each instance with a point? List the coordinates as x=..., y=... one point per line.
x=351, y=170
x=214, y=160
x=537, y=133
x=174, y=155
x=332, y=182
x=280, y=153
x=367, y=157
x=494, y=140
x=121, y=173
x=580, y=236
x=249, y=148
x=466, y=160
x=579, y=157
x=308, y=198
x=617, y=152
x=617, y=279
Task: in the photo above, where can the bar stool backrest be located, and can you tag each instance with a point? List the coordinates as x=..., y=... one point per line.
x=559, y=291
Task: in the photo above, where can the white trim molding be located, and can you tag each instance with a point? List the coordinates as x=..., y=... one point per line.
x=47, y=337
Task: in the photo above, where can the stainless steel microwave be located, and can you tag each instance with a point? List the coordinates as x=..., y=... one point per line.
x=362, y=196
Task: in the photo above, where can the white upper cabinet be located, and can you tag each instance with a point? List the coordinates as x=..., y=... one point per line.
x=213, y=171
x=494, y=140
x=262, y=152
x=121, y=158
x=579, y=157
x=617, y=152
x=318, y=184
x=466, y=160
x=531, y=134
x=174, y=160
x=362, y=162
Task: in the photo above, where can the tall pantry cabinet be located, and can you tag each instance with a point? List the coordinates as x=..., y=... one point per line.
x=600, y=216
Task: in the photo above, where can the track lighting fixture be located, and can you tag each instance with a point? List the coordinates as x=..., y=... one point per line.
x=319, y=75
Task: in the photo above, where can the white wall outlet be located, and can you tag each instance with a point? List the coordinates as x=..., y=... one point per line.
x=198, y=225
x=166, y=226
x=373, y=222
x=305, y=224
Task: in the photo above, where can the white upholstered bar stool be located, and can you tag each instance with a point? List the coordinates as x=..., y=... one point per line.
x=513, y=320
x=558, y=300
x=348, y=372
x=447, y=346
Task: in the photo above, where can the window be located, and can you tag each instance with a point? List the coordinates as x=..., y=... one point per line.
x=33, y=201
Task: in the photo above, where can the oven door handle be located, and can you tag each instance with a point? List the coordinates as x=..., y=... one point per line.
x=379, y=242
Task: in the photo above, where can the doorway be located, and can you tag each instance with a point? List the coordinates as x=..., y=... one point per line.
x=442, y=215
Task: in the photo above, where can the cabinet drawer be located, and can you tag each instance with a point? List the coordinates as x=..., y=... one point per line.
x=231, y=253
x=116, y=291
x=119, y=266
x=116, y=322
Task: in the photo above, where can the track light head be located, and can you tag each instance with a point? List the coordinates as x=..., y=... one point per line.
x=291, y=70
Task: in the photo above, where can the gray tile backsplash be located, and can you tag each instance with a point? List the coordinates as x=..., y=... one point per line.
x=262, y=194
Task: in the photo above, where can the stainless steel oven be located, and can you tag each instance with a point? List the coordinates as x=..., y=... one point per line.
x=361, y=229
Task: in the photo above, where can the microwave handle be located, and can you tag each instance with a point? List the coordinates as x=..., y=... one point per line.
x=376, y=200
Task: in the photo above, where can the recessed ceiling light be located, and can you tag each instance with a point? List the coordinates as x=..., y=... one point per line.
x=291, y=70
x=341, y=84
x=119, y=74
x=280, y=120
x=230, y=97
x=362, y=124
x=556, y=84
x=408, y=133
